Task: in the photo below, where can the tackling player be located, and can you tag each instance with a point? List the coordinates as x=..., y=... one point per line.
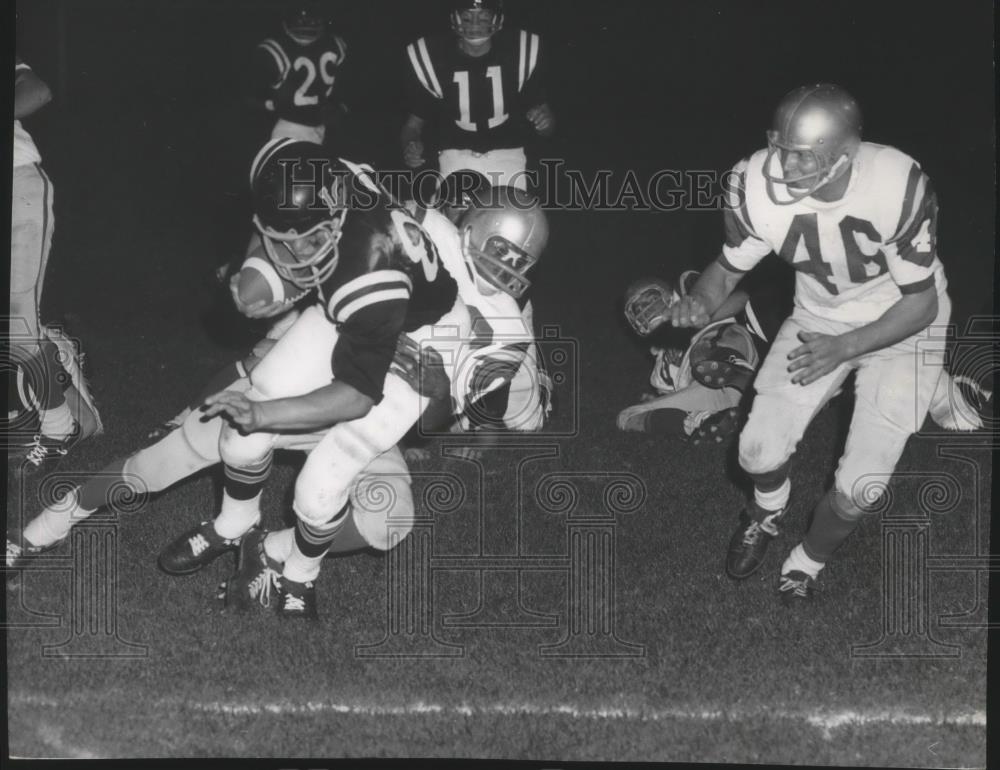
x=481, y=90
x=858, y=222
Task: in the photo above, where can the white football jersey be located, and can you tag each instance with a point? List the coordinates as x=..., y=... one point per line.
x=855, y=257
x=501, y=333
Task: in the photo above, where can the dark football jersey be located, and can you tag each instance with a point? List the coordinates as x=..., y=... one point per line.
x=298, y=78
x=476, y=103
x=388, y=280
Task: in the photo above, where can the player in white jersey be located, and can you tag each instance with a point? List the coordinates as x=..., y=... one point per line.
x=49, y=375
x=858, y=222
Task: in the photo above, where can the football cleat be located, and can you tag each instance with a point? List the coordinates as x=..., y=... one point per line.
x=795, y=587
x=724, y=368
x=44, y=453
x=748, y=545
x=717, y=427
x=72, y=360
x=194, y=549
x=297, y=600
x=20, y=554
x=257, y=575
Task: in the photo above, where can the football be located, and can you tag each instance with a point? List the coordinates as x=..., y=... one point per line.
x=260, y=282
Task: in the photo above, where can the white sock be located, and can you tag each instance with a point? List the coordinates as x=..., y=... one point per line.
x=775, y=500
x=278, y=544
x=237, y=516
x=57, y=422
x=798, y=561
x=300, y=568
x=54, y=523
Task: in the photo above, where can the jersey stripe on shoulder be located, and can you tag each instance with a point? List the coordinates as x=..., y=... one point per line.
x=367, y=290
x=273, y=47
x=341, y=48
x=527, y=57
x=423, y=68
x=916, y=183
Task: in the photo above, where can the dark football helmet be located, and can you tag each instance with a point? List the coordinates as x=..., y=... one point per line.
x=822, y=124
x=503, y=239
x=304, y=22
x=476, y=21
x=460, y=191
x=647, y=304
x=299, y=206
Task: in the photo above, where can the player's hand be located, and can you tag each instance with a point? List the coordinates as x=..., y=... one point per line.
x=255, y=310
x=413, y=154
x=688, y=312
x=542, y=119
x=238, y=410
x=269, y=105
x=819, y=355
x=421, y=367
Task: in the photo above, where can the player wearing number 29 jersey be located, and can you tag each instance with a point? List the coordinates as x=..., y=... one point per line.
x=855, y=256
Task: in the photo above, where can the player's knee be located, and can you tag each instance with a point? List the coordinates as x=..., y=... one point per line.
x=383, y=510
x=315, y=502
x=239, y=450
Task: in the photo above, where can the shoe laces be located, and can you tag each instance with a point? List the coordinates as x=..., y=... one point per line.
x=694, y=420
x=294, y=603
x=13, y=554
x=797, y=588
x=198, y=544
x=752, y=534
x=37, y=454
x=262, y=587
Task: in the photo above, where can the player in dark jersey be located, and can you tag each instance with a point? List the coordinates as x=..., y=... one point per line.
x=294, y=73
x=481, y=91
x=327, y=226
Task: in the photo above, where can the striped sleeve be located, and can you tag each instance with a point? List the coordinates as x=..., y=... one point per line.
x=272, y=50
x=341, y=46
x=422, y=67
x=743, y=248
x=912, y=248
x=528, y=49
x=20, y=66
x=380, y=286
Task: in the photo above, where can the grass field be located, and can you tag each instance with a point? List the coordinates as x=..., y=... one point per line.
x=691, y=666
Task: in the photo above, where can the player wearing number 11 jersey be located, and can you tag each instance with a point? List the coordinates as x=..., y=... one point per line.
x=858, y=223
x=481, y=89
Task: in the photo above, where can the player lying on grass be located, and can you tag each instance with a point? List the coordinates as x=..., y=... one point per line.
x=697, y=392
x=858, y=222
x=702, y=394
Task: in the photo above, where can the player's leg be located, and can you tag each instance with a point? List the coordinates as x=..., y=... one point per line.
x=780, y=414
x=153, y=469
x=31, y=241
x=892, y=399
x=381, y=513
x=678, y=413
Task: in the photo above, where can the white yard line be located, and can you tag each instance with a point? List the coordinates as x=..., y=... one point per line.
x=827, y=721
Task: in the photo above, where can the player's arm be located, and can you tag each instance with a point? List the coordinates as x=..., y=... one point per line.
x=30, y=92
x=268, y=70
x=732, y=305
x=533, y=89
x=707, y=297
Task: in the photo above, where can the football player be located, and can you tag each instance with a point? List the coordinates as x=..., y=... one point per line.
x=328, y=226
x=295, y=72
x=490, y=254
x=482, y=89
x=48, y=361
x=697, y=392
x=858, y=222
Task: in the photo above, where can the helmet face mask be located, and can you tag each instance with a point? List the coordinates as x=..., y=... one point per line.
x=816, y=135
x=646, y=304
x=476, y=21
x=299, y=208
x=503, y=239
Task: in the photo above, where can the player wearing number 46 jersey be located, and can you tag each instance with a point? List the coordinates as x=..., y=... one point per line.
x=481, y=89
x=858, y=222
x=294, y=72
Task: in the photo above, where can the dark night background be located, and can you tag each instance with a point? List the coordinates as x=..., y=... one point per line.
x=147, y=141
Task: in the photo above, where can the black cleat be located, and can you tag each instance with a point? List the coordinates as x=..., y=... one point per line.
x=20, y=554
x=748, y=545
x=718, y=427
x=193, y=550
x=795, y=588
x=256, y=580
x=297, y=600
x=43, y=453
x=724, y=368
